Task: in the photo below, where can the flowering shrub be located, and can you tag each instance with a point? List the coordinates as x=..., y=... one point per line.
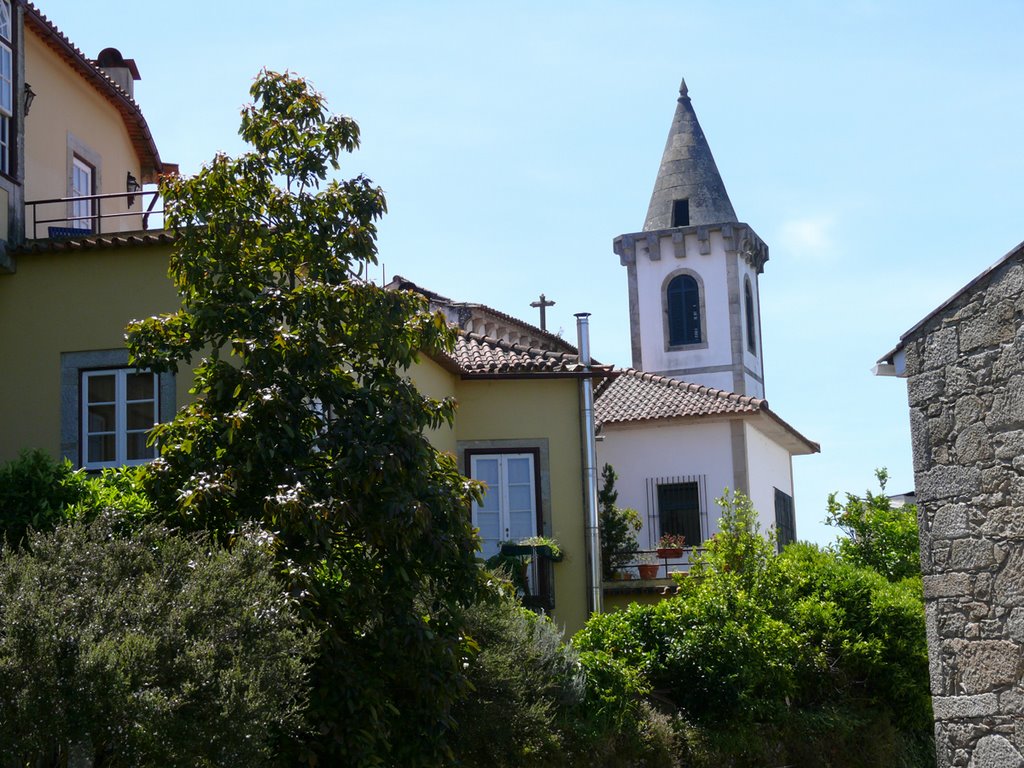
x=671, y=541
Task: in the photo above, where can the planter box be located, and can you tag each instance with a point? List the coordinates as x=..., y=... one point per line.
x=669, y=552
x=526, y=550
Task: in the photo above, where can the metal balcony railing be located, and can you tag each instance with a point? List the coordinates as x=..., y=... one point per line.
x=63, y=217
x=665, y=565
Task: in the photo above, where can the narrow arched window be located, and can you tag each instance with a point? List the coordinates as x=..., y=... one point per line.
x=748, y=301
x=683, y=299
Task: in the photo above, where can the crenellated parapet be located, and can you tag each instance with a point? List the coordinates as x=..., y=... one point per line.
x=688, y=242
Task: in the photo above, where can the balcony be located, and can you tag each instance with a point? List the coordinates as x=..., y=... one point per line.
x=633, y=579
x=66, y=217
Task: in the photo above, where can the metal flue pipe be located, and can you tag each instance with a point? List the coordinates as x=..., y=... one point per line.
x=589, y=451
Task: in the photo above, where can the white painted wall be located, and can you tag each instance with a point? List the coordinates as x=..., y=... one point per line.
x=651, y=277
x=642, y=451
x=720, y=380
x=769, y=466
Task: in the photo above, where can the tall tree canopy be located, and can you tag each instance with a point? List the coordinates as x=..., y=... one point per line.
x=305, y=420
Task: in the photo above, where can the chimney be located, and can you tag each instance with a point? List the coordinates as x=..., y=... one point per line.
x=119, y=69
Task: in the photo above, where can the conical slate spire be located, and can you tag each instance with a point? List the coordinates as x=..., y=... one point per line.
x=688, y=172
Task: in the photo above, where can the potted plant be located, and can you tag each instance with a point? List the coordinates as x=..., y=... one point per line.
x=541, y=546
x=671, y=545
x=648, y=565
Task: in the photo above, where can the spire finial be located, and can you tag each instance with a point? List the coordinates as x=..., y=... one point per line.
x=684, y=93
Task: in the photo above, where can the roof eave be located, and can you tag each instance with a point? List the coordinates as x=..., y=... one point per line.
x=891, y=357
x=790, y=438
x=776, y=427
x=135, y=123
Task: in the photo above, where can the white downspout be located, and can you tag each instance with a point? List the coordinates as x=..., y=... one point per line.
x=589, y=451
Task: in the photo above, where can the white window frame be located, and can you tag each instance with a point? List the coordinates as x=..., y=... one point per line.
x=6, y=85
x=121, y=404
x=82, y=211
x=490, y=546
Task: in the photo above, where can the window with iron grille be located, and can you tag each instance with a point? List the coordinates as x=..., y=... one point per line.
x=679, y=511
x=785, y=518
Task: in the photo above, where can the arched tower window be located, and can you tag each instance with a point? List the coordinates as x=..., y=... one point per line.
x=748, y=304
x=683, y=300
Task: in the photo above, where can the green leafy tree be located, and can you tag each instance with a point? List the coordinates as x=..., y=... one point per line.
x=618, y=526
x=878, y=535
x=523, y=681
x=535, y=701
x=781, y=659
x=148, y=649
x=305, y=420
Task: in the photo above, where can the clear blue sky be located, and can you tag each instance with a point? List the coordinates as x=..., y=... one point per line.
x=875, y=146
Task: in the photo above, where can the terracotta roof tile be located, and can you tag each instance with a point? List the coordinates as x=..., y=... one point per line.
x=637, y=396
x=90, y=242
x=553, y=338
x=477, y=354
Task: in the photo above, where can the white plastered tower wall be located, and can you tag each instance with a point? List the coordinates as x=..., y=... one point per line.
x=723, y=259
x=691, y=232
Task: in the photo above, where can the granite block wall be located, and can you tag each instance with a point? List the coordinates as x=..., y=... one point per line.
x=965, y=369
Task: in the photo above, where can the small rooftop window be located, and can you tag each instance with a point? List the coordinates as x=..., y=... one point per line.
x=681, y=213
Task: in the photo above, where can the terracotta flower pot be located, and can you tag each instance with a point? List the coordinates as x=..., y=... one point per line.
x=668, y=552
x=648, y=570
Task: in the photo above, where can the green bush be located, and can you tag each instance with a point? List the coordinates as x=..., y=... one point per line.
x=877, y=534
x=522, y=682
x=149, y=649
x=35, y=493
x=38, y=494
x=535, y=701
x=866, y=634
x=781, y=659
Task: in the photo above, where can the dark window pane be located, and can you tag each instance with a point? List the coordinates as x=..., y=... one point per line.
x=101, y=418
x=679, y=511
x=140, y=415
x=681, y=213
x=748, y=300
x=140, y=386
x=102, y=448
x=100, y=388
x=683, y=299
x=137, y=448
x=785, y=518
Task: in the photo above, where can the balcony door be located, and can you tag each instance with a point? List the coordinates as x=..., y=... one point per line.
x=83, y=184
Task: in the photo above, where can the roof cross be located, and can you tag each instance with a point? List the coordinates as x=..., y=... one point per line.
x=543, y=304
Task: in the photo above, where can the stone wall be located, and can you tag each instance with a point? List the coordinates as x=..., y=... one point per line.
x=965, y=370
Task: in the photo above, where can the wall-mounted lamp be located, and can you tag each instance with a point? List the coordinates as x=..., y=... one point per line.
x=30, y=96
x=132, y=186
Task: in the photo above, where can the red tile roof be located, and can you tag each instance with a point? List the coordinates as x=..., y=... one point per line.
x=637, y=396
x=477, y=355
x=630, y=396
x=91, y=242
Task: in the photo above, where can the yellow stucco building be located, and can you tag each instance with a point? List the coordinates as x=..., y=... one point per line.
x=75, y=262
x=79, y=260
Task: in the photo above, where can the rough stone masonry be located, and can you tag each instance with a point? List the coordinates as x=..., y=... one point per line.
x=965, y=369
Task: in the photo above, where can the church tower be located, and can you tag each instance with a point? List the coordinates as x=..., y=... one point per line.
x=694, y=304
